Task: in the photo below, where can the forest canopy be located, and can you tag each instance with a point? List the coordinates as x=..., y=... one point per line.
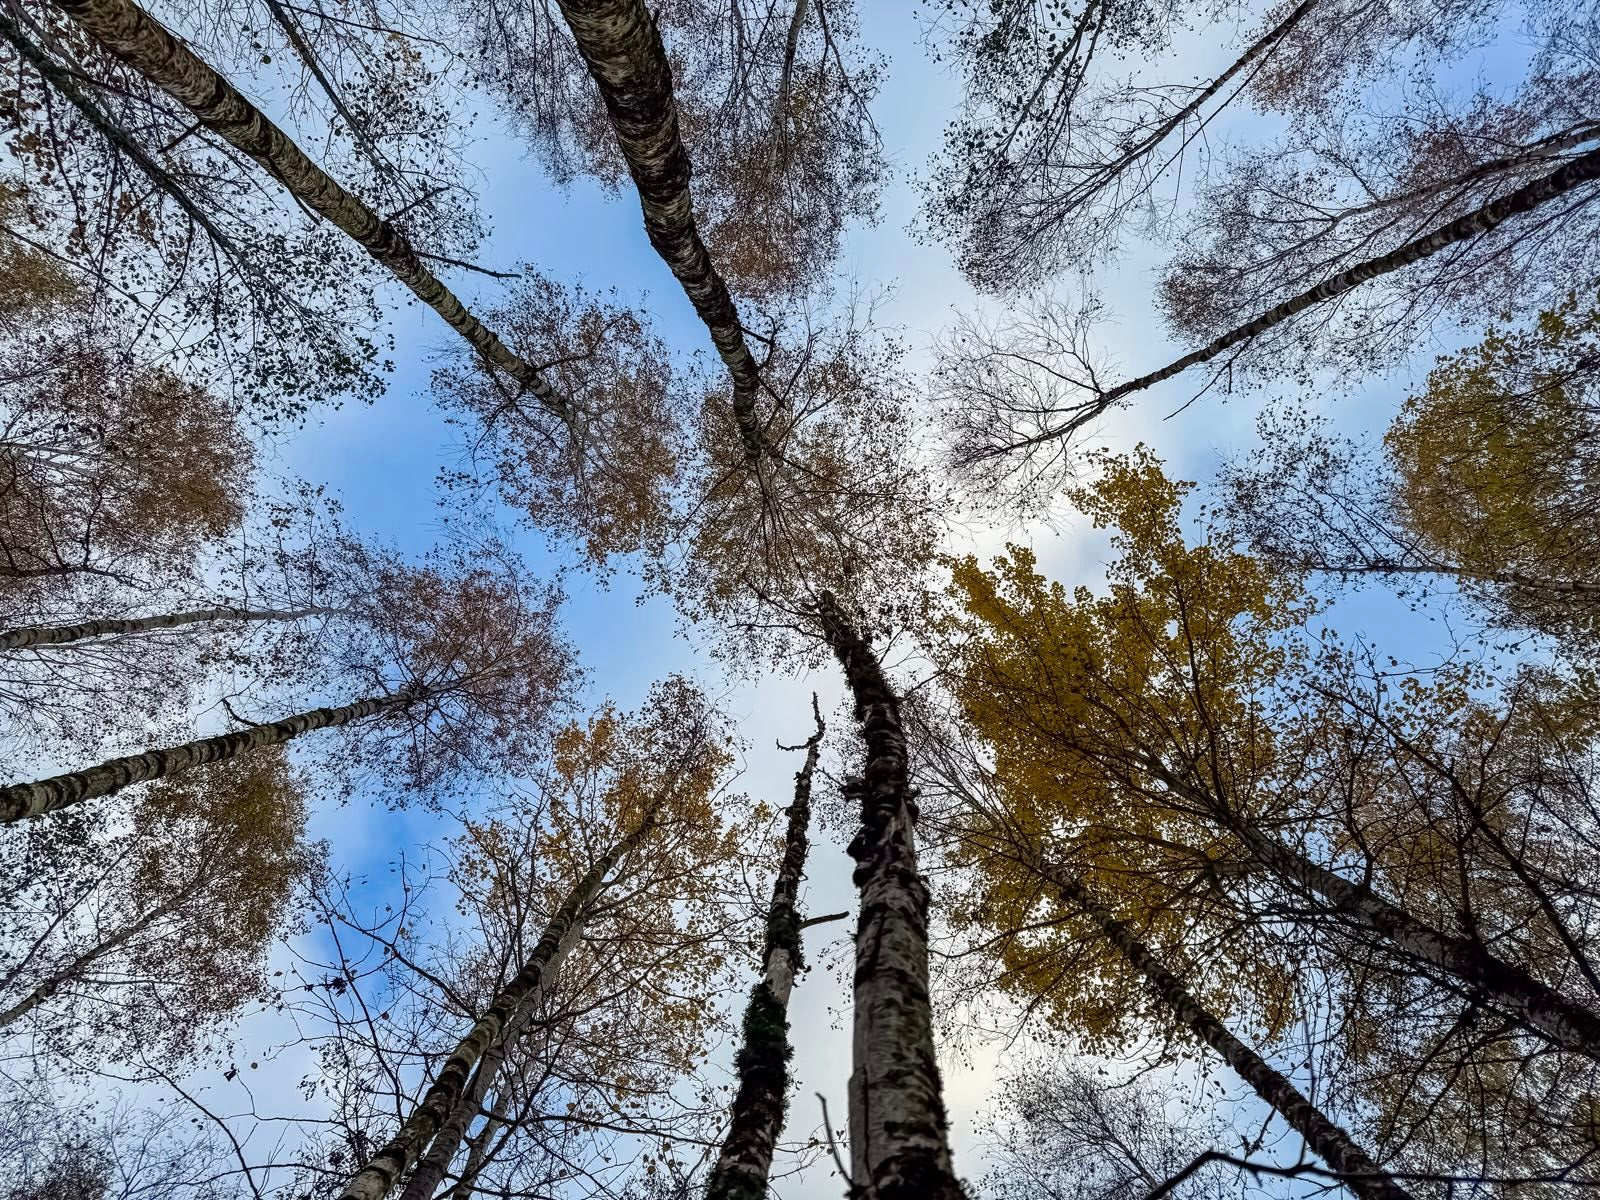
x=981, y=601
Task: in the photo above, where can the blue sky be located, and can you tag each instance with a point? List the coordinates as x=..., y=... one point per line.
x=382, y=461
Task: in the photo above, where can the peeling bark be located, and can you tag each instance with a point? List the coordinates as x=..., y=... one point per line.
x=58, y=635
x=899, y=1143
x=378, y=1178
x=143, y=43
x=761, y=1102
x=22, y=800
x=1328, y=1141
x=622, y=47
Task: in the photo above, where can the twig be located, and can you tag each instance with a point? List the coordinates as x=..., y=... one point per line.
x=827, y=1128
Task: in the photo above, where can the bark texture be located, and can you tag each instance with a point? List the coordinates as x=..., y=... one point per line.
x=1570, y=175
x=60, y=635
x=1328, y=1141
x=1535, y=1005
x=378, y=1178
x=899, y=1143
x=622, y=47
x=143, y=43
x=432, y=1166
x=760, y=1104
x=22, y=800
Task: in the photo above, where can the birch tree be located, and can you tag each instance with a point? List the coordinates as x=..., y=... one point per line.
x=899, y=1140
x=762, y=1061
x=459, y=663
x=136, y=932
x=1484, y=484
x=623, y=1006
x=771, y=105
x=112, y=469
x=1179, y=740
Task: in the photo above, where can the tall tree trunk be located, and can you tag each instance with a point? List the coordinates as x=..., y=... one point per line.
x=378, y=1178
x=1329, y=1142
x=759, y=1105
x=1474, y=224
x=22, y=800
x=1534, y=1005
x=1570, y=175
x=133, y=36
x=58, y=635
x=622, y=46
x=432, y=1167
x=478, y=1149
x=49, y=986
x=899, y=1142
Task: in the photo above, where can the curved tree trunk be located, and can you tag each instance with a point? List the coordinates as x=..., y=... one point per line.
x=435, y=1164
x=899, y=1141
x=143, y=43
x=378, y=1178
x=759, y=1105
x=619, y=41
x=1329, y=1142
x=22, y=800
x=58, y=635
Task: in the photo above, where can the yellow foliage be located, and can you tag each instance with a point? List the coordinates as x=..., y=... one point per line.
x=1085, y=702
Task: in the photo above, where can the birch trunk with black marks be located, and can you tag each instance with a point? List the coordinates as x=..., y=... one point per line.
x=21, y=800
x=1534, y=1005
x=761, y=1101
x=1525, y=199
x=899, y=1140
x=1474, y=224
x=60, y=635
x=378, y=1177
x=134, y=37
x=1325, y=1139
x=622, y=47
x=432, y=1167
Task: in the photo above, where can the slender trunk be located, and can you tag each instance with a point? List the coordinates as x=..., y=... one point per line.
x=1474, y=224
x=143, y=43
x=780, y=113
x=1534, y=1005
x=377, y=1179
x=478, y=1149
x=1325, y=1139
x=432, y=1166
x=49, y=986
x=899, y=1143
x=57, y=635
x=619, y=41
x=22, y=800
x=759, y=1106
x=1260, y=48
